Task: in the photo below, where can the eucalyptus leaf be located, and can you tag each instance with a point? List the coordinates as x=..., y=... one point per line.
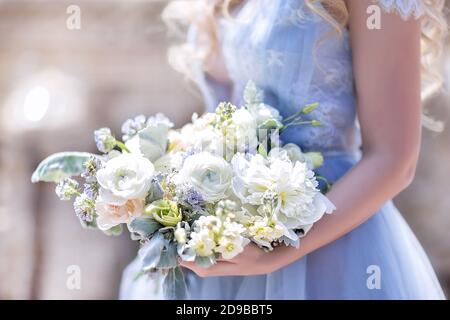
x=168, y=259
x=153, y=141
x=59, y=166
x=156, y=192
x=150, y=253
x=174, y=285
x=144, y=227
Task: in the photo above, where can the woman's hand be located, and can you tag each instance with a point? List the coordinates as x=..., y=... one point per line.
x=252, y=261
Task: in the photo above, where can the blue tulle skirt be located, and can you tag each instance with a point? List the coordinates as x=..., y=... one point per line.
x=381, y=259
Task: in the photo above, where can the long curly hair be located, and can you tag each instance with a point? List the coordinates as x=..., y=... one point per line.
x=179, y=15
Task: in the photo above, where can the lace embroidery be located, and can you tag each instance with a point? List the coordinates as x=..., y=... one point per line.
x=405, y=8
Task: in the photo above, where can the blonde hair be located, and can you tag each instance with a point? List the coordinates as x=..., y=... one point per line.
x=201, y=14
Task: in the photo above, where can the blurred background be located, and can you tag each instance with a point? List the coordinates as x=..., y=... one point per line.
x=58, y=83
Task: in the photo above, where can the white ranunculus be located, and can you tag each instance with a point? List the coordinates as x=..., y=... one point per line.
x=124, y=178
x=110, y=215
x=169, y=162
x=240, y=132
x=262, y=112
x=299, y=201
x=210, y=175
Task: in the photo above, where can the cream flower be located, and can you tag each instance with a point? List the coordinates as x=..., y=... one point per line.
x=210, y=175
x=110, y=215
x=124, y=178
x=231, y=242
x=202, y=243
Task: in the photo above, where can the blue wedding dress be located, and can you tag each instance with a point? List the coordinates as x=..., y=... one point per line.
x=276, y=43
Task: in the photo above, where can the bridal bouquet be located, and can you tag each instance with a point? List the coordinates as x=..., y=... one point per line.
x=197, y=193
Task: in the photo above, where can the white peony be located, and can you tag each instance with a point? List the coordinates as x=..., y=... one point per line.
x=110, y=215
x=210, y=175
x=125, y=177
x=298, y=201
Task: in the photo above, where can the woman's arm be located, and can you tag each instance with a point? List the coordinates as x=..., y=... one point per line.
x=387, y=75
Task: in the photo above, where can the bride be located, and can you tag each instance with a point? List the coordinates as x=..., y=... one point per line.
x=366, y=63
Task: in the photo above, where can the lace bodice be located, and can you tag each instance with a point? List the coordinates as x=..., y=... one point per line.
x=285, y=49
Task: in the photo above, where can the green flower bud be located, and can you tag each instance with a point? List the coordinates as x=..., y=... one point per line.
x=165, y=212
x=309, y=108
x=316, y=123
x=316, y=158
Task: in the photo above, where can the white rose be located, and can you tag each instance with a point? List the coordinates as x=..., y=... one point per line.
x=110, y=215
x=209, y=175
x=125, y=177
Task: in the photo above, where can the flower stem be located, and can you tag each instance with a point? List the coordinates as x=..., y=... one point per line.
x=122, y=146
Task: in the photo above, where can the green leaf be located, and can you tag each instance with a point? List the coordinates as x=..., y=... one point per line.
x=174, y=285
x=144, y=227
x=169, y=257
x=59, y=166
x=114, y=231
